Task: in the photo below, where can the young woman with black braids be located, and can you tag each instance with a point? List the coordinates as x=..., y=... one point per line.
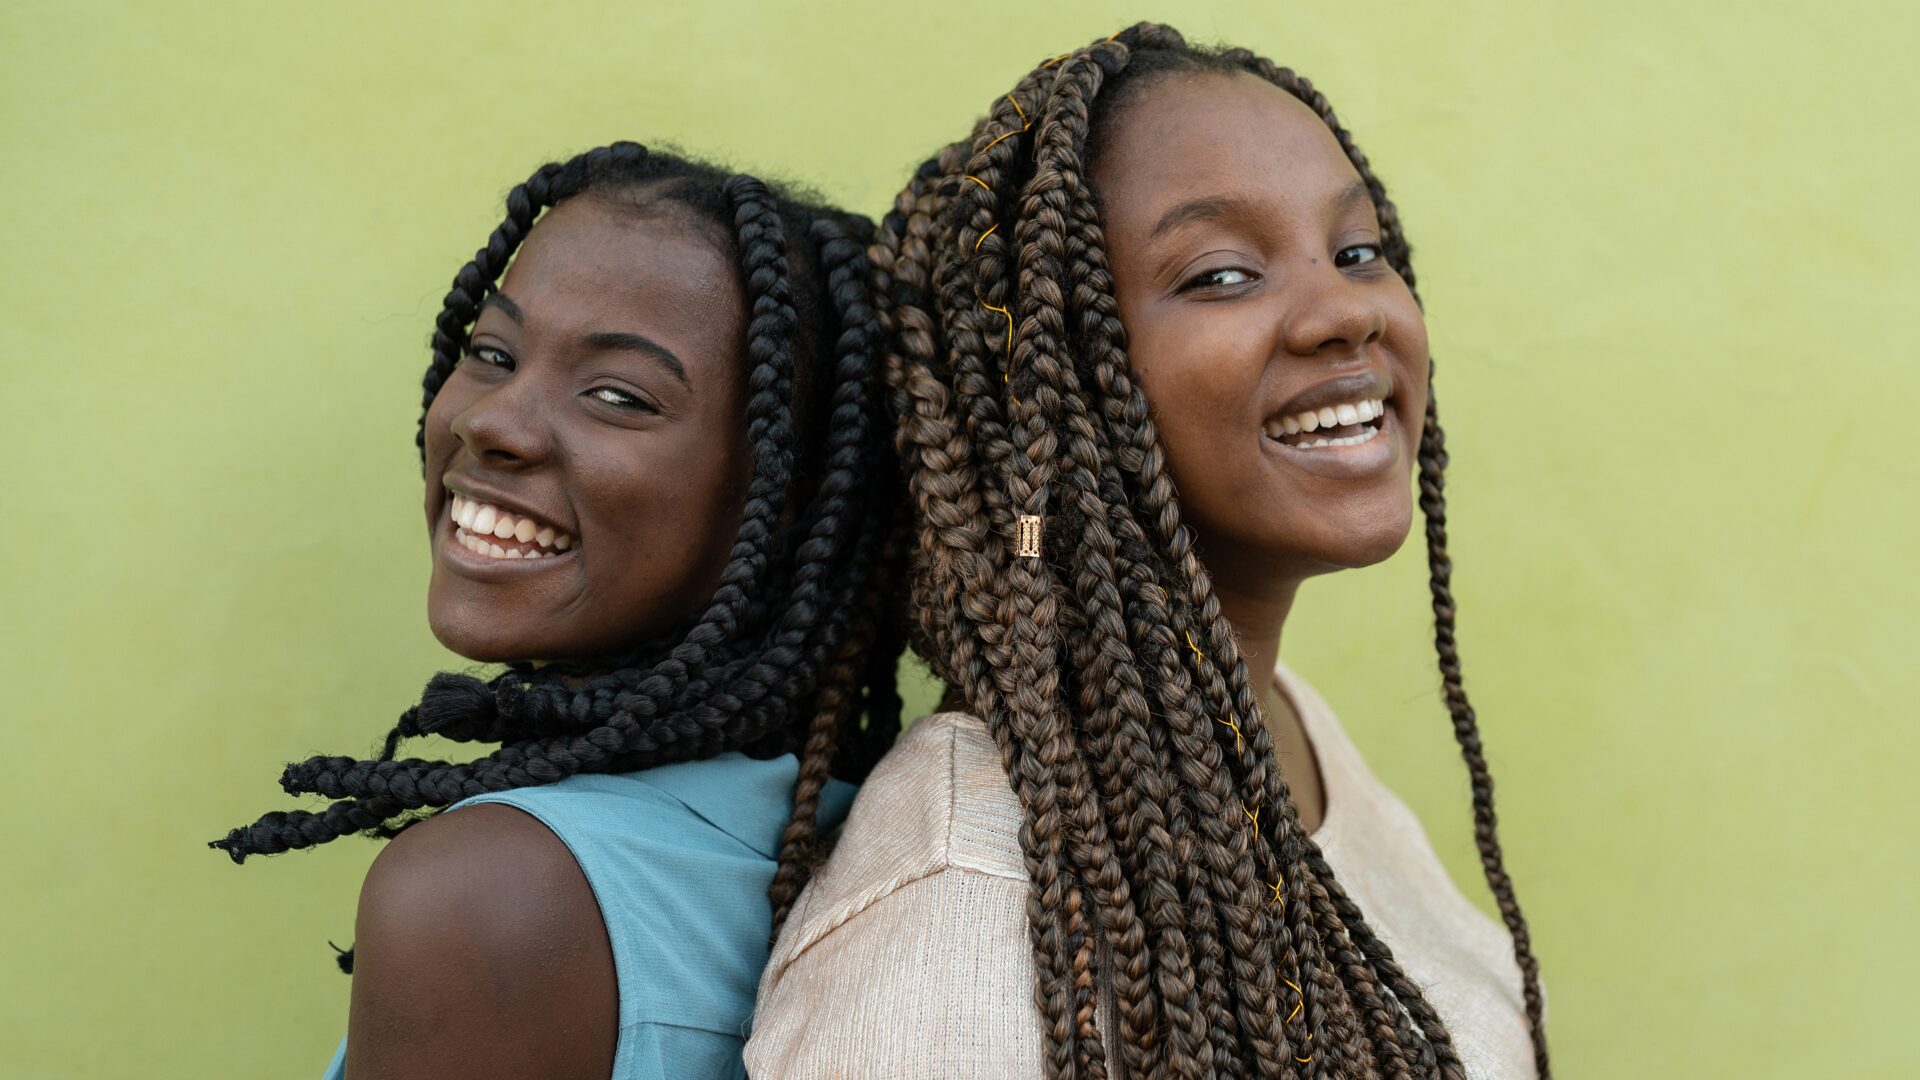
x=660, y=490
x=1126, y=851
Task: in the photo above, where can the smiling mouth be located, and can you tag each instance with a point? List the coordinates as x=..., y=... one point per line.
x=1348, y=424
x=493, y=533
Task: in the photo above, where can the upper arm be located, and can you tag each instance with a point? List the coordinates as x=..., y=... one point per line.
x=481, y=952
x=933, y=979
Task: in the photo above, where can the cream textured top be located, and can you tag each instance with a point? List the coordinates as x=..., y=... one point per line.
x=908, y=957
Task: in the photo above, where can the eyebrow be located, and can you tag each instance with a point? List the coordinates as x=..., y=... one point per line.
x=1222, y=207
x=644, y=346
x=1356, y=192
x=605, y=339
x=507, y=307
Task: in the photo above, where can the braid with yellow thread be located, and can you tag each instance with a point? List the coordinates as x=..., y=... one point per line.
x=1166, y=856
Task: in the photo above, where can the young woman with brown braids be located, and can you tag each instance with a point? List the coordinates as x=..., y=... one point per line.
x=660, y=490
x=1124, y=851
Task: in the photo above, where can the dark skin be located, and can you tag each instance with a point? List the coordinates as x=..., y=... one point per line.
x=480, y=949
x=1247, y=267
x=601, y=395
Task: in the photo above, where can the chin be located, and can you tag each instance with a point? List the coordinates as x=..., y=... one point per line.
x=485, y=634
x=1367, y=540
x=476, y=644
x=1377, y=549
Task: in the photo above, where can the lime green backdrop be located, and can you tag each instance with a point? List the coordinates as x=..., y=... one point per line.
x=1662, y=244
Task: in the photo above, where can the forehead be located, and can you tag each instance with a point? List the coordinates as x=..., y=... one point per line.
x=590, y=260
x=1209, y=133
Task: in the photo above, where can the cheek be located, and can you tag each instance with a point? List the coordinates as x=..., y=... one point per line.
x=1202, y=378
x=438, y=445
x=1195, y=414
x=437, y=430
x=1406, y=340
x=1198, y=365
x=1407, y=345
x=669, y=526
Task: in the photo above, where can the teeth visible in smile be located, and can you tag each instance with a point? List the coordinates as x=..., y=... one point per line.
x=480, y=528
x=1346, y=440
x=1332, y=416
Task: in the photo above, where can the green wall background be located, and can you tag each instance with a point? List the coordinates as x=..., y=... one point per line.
x=1663, y=247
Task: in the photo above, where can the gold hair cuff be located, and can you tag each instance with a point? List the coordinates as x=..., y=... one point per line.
x=1027, y=542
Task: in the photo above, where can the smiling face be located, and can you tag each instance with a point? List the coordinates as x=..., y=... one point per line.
x=586, y=462
x=1285, y=361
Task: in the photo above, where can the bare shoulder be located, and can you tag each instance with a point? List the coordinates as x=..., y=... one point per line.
x=480, y=951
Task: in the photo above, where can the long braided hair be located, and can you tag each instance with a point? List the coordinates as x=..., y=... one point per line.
x=1104, y=669
x=796, y=650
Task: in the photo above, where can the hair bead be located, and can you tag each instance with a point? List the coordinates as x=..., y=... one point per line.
x=1027, y=544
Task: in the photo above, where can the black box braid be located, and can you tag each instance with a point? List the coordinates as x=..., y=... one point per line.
x=794, y=630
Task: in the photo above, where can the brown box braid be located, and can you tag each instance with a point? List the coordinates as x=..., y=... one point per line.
x=1127, y=720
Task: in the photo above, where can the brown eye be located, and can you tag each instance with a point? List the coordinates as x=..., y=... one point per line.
x=1356, y=255
x=491, y=356
x=1230, y=275
x=618, y=398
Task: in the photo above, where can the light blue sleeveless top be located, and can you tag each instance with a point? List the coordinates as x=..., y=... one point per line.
x=679, y=858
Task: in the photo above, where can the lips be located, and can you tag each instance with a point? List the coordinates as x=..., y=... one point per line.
x=1346, y=411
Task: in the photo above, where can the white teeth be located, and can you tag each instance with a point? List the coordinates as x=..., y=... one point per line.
x=1352, y=412
x=1346, y=440
x=478, y=525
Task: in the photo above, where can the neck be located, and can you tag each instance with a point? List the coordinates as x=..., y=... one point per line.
x=1257, y=610
x=1257, y=615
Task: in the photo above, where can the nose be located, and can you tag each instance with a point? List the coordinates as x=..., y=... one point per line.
x=504, y=424
x=1333, y=315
